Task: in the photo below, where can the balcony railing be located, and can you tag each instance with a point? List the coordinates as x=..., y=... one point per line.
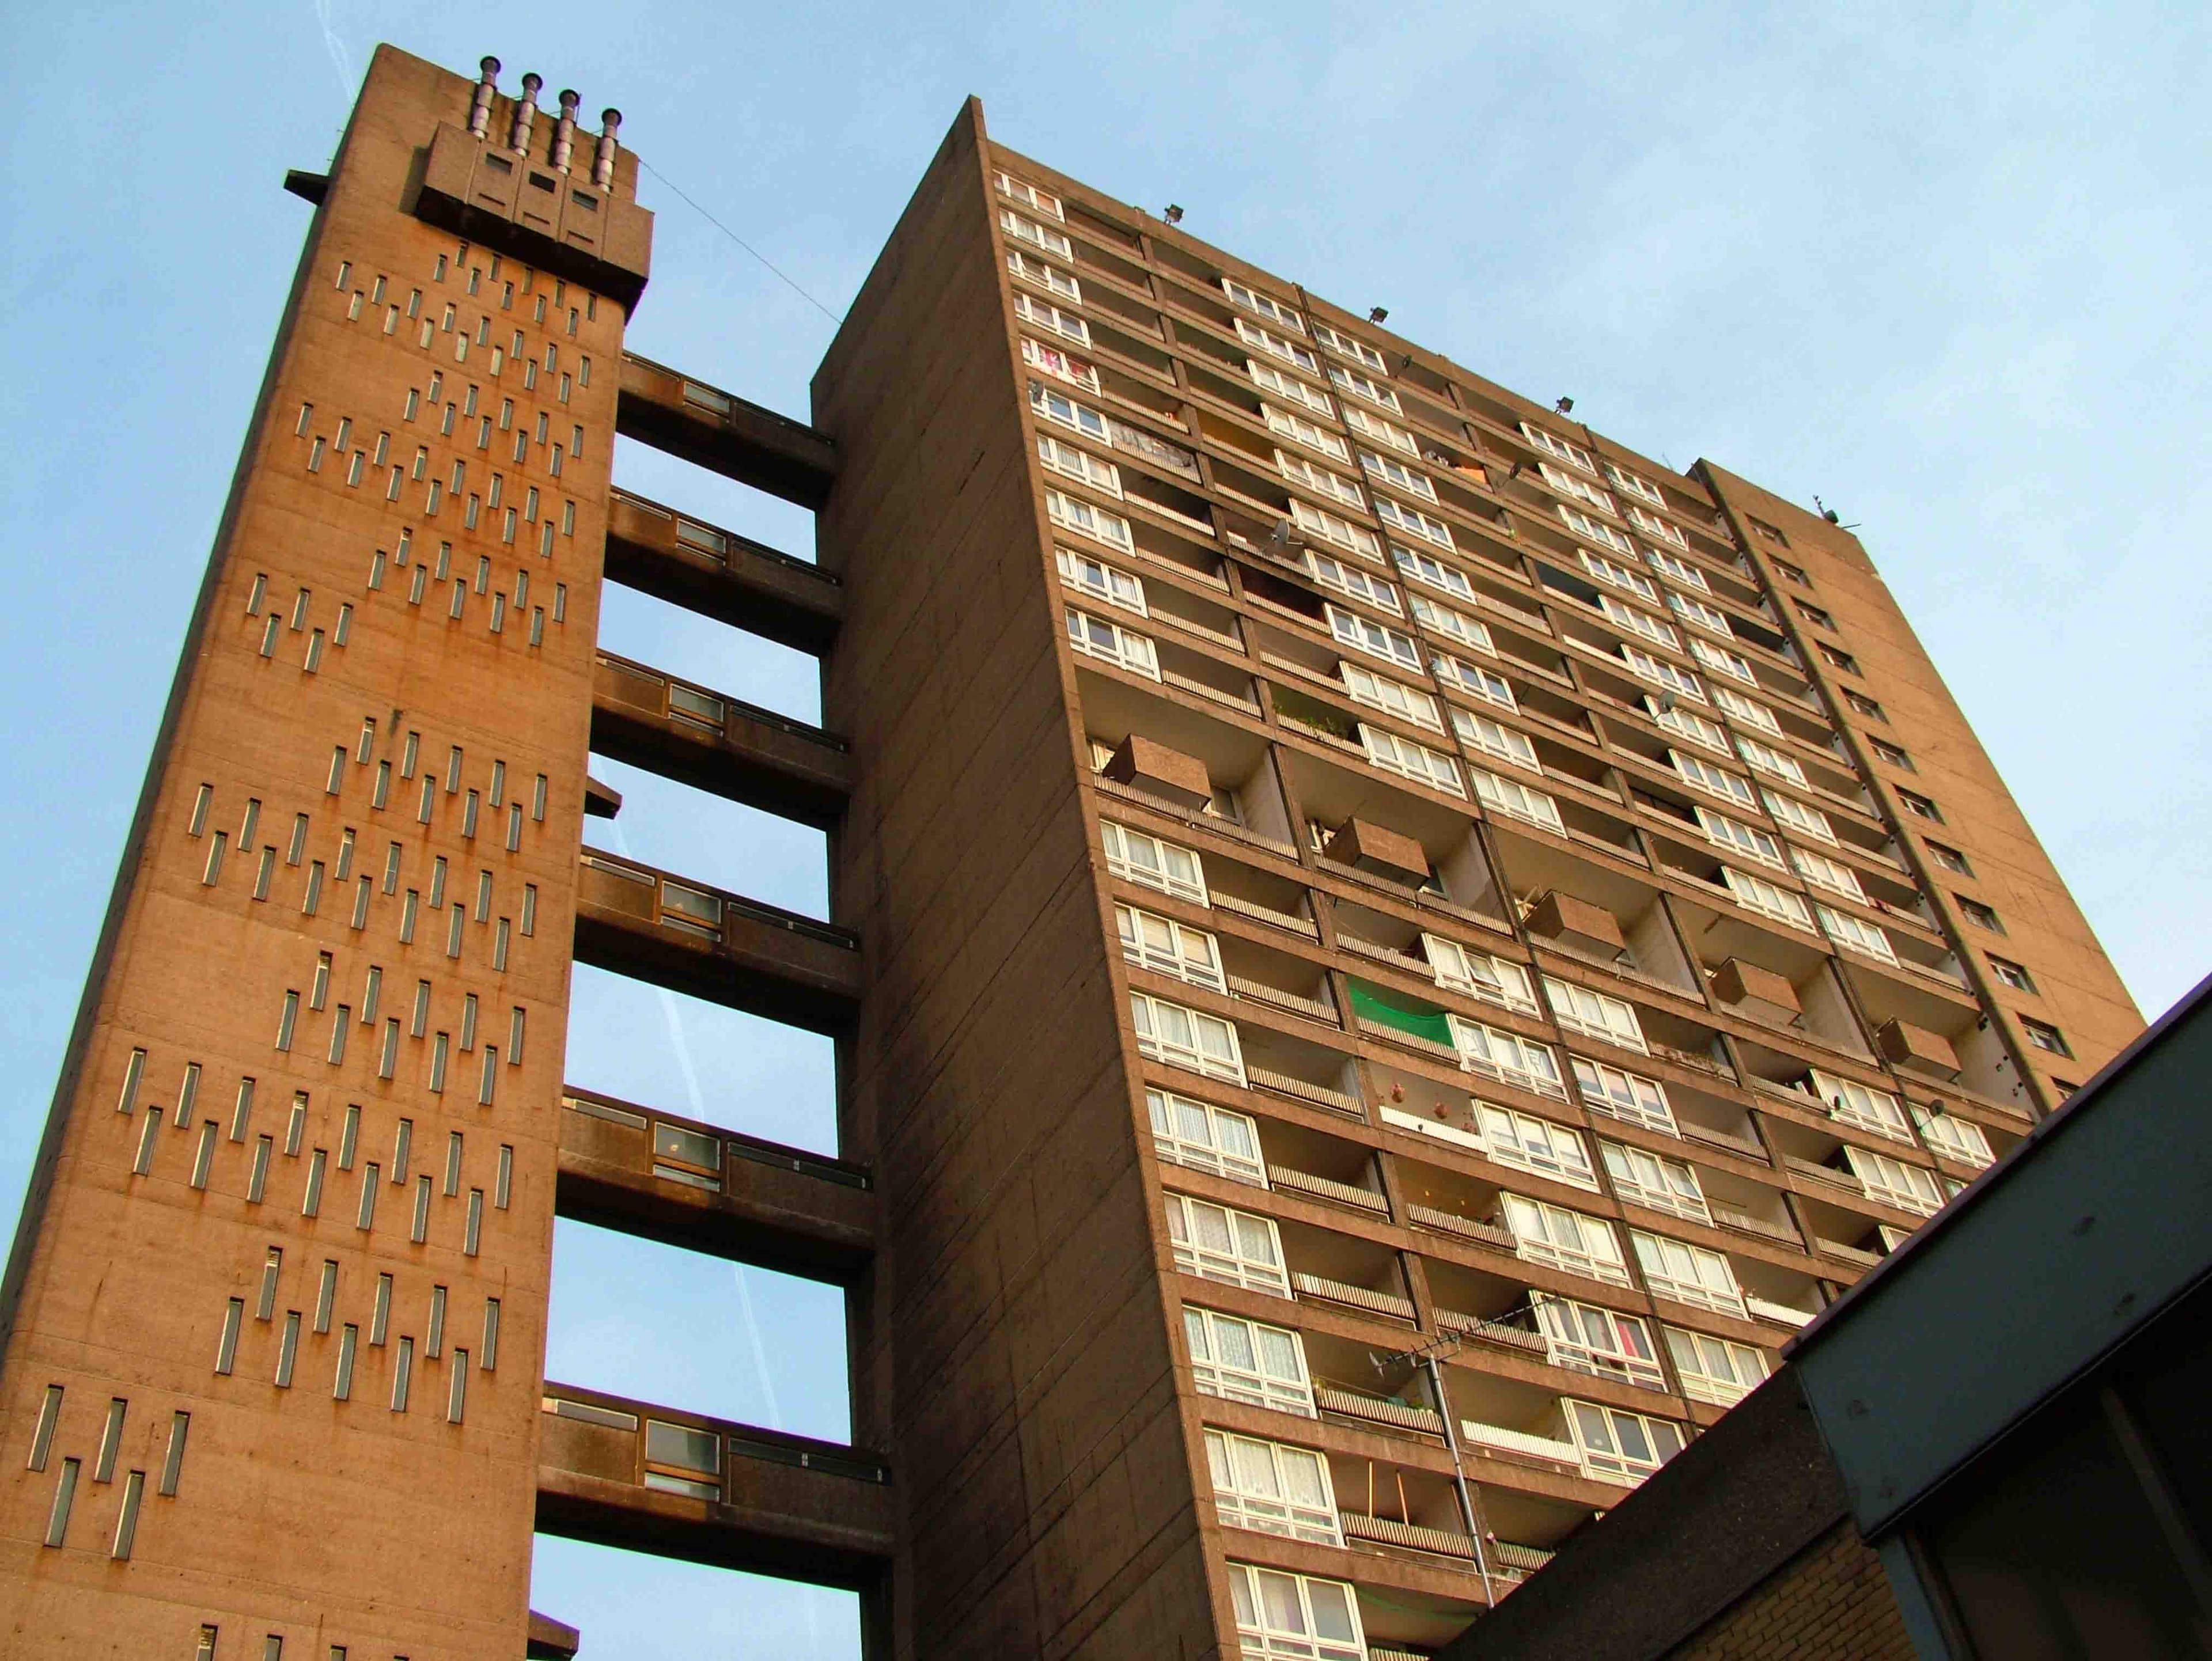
x=1326, y=1188
x=1766, y=1309
x=1492, y=1332
x=1447, y=1223
x=1353, y=1297
x=1377, y=1410
x=1412, y=1536
x=1317, y=1095
x=1524, y=1446
x=1291, y=1002
x=1267, y=914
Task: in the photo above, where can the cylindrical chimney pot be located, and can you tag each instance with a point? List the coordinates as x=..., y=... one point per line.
x=564, y=131
x=603, y=159
x=480, y=105
x=526, y=112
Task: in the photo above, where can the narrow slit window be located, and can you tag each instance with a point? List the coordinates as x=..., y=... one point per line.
x=264, y=870
x=529, y=909
x=339, y=1027
x=403, y=1375
x=379, y=1313
x=326, y=1295
x=298, y=845
x=473, y=1236
x=403, y=1146
x=468, y=1022
x=452, y=1162
x=499, y=941
x=111, y=1440
x=241, y=1111
x=203, y=1154
x=514, y=1024
x=310, y=1202
x=172, y=1461
x=433, y=1334
x=288, y=1350
x=288, y=1020
x=42, y=1438
x=364, y=1214
x=57, y=1518
x=489, y=1077
x=212, y=873
x=311, y=901
x=226, y=1347
x=387, y=1058
x=488, y=1356
x=202, y=801
x=457, y=1387
x=341, y=1383
x=318, y=989
x=133, y=1073
x=421, y=1229
x=338, y=772
x=257, y=1184
x=504, y=1185
x=143, y=1163
x=272, y=1268
x=126, y=1516
x=295, y=1128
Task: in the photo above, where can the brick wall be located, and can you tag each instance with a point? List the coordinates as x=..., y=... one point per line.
x=1830, y=1602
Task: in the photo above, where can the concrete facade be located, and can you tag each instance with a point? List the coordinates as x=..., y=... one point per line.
x=1260, y=868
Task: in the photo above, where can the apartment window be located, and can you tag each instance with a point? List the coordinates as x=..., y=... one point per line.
x=1697, y=613
x=1662, y=673
x=1377, y=640
x=1621, y=1447
x=1639, y=622
x=1275, y=311
x=1035, y=270
x=1329, y=526
x=1814, y=614
x=1981, y=916
x=1824, y=872
x=1652, y=525
x=1847, y=931
x=1852, y=1103
x=1890, y=1181
x=1383, y=432
x=2014, y=975
x=1726, y=833
x=1276, y=346
x=1108, y=642
x=1072, y=513
x=1516, y=801
x=1554, y=1235
x=1063, y=366
x=1294, y=1616
x=1704, y=776
x=1535, y=1145
x=1411, y=761
x=1865, y=705
x=1299, y=430
x=1496, y=978
x=1770, y=762
x=1046, y=315
x=1248, y=1361
x=1688, y=1273
x=1413, y=523
x=1682, y=570
x=1095, y=578
x=1773, y=535
x=1743, y=709
x=1718, y=1370
x=1233, y=1247
x=1657, y=1184
x=1361, y=386
x=1757, y=894
x=1269, y=377
x=1573, y=454
x=1799, y=816
x=1272, y=1488
x=2044, y=1036
x=1186, y=1038
x=1624, y=1095
x=1427, y=568
x=1137, y=858
x=1483, y=683
x=1955, y=1138
x=1579, y=1009
x=1636, y=485
x=1393, y=472
x=1949, y=858
x=1337, y=341
x=1167, y=947
x=1299, y=470
x=1584, y=1338
x=1723, y=661
x=1204, y=1137
x=1836, y=658
x=1333, y=573
x=1597, y=531
x=1567, y=485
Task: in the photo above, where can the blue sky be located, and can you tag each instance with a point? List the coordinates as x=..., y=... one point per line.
x=1942, y=265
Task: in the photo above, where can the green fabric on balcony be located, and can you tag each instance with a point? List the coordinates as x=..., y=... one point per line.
x=1391, y=1011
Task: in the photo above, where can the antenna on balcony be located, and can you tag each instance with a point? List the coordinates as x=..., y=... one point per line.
x=1283, y=537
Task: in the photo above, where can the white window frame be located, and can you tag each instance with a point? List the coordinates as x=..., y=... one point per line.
x=1690, y=725
x=1723, y=661
x=1770, y=762
x=1045, y=314
x=1516, y=801
x=1273, y=379
x=1383, y=432
x=1694, y=1275
x=1345, y=534
x=1697, y=1355
x=1652, y=525
x=1103, y=639
x=1696, y=613
x=1618, y=1094
x=1598, y=531
x=1057, y=406
x=1298, y=470
x=1061, y=366
x=1833, y=874
x=1476, y=681
x=1661, y=673
x=1577, y=1009
x=1391, y=697
x=1376, y=639
x=1298, y=429
x=1268, y=1502
x=1266, y=305
x=1100, y=581
x=1080, y=466
x=1155, y=1019
x=1856, y=933
x=1655, y=1182
x=1581, y=489
x=1752, y=714
x=1072, y=513
x=1260, y=1638
x=1563, y=1238
x=1023, y=228
x=1446, y=579
x=1573, y=454
x=1639, y=622
x=1619, y=576
x=1960, y=1139
x=1635, y=484
x=1352, y=381
x=1679, y=569
x=1490, y=1053
x=1479, y=975
x=1031, y=197
x=1408, y=759
x=1701, y=774
x=1536, y=1145
x=1850, y=1102
x=1798, y=817
x=1275, y=346
x=1501, y=743
x=1889, y=1181
x=1739, y=838
x=1414, y=523
x=1613, y=1463
x=1137, y=857
x=1236, y=1264
x=1028, y=268
x=1587, y=1337
x=1232, y=1381
x=1166, y=947
x=1332, y=573
x=1757, y=894
x=1171, y=1118
x=1397, y=474
x=1337, y=341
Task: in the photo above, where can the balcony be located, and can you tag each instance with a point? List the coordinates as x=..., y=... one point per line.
x=708, y=943
x=722, y=575
x=718, y=744
x=625, y=1473
x=690, y=1184
x=724, y=433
